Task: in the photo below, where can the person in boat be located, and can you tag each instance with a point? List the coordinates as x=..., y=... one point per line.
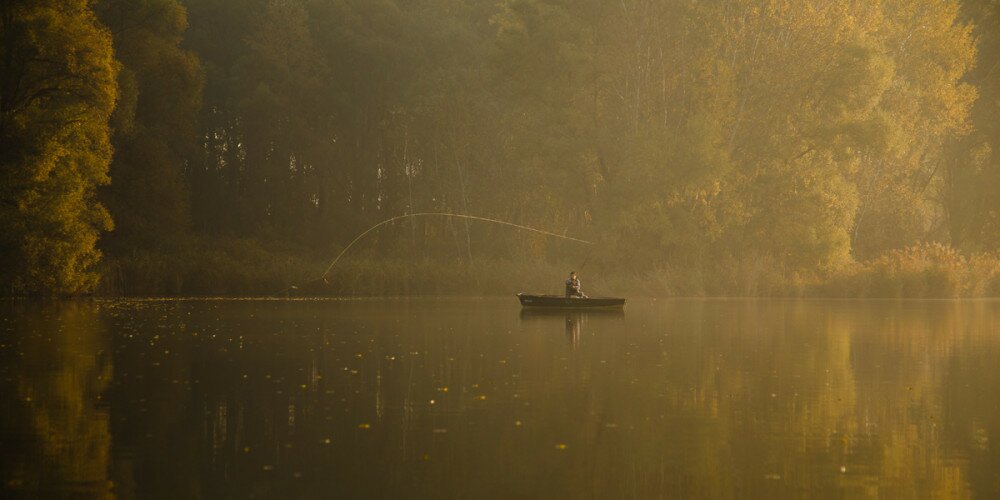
x=573, y=286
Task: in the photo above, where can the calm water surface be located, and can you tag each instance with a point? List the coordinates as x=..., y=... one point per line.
x=476, y=399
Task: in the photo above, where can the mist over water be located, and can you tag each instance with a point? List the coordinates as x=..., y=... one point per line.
x=462, y=151
x=439, y=398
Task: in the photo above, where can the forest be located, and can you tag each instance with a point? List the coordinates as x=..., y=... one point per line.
x=844, y=148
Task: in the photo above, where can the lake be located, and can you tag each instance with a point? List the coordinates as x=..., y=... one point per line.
x=456, y=398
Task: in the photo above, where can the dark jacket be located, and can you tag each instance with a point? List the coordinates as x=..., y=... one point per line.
x=572, y=287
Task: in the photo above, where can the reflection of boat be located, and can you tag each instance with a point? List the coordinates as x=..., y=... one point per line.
x=532, y=313
x=561, y=302
x=574, y=319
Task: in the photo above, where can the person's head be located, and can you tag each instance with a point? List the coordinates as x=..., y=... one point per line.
x=572, y=274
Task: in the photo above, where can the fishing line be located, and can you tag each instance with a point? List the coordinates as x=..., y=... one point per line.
x=444, y=214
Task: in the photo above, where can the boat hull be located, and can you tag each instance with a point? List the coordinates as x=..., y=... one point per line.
x=561, y=302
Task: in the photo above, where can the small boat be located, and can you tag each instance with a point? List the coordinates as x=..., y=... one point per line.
x=563, y=302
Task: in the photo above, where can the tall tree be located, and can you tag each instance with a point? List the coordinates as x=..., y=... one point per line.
x=971, y=171
x=57, y=92
x=925, y=106
x=154, y=124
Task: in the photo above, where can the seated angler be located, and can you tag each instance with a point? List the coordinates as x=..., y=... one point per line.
x=573, y=286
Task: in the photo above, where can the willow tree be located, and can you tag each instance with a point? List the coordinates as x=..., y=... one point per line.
x=57, y=91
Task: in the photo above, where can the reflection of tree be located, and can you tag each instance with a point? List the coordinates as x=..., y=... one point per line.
x=59, y=381
x=902, y=350
x=973, y=383
x=737, y=398
x=792, y=398
x=689, y=399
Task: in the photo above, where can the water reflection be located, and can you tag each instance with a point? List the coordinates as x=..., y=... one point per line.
x=56, y=439
x=432, y=399
x=573, y=327
x=573, y=320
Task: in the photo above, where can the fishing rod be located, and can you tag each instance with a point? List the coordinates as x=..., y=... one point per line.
x=438, y=214
x=445, y=214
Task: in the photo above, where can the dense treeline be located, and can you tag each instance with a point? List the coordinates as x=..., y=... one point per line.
x=739, y=147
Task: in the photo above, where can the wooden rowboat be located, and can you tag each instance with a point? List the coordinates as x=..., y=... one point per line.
x=562, y=302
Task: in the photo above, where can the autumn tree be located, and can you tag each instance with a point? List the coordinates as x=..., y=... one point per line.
x=57, y=91
x=970, y=173
x=925, y=106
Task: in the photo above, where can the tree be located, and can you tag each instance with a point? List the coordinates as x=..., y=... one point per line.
x=154, y=124
x=971, y=168
x=925, y=106
x=57, y=92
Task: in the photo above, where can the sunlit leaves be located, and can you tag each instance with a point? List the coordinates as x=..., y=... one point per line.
x=708, y=136
x=57, y=89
